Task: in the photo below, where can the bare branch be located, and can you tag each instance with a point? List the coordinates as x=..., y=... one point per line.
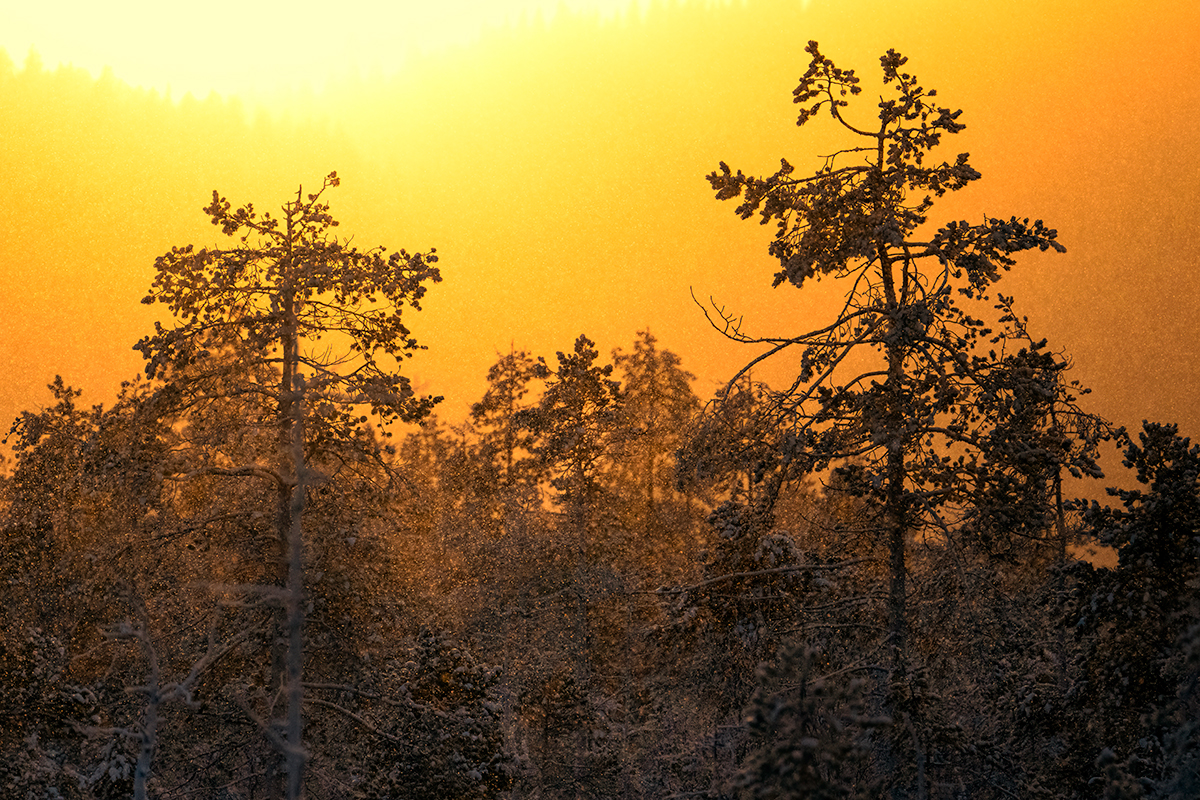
x=760, y=572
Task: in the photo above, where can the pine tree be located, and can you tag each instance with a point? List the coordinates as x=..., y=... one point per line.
x=900, y=420
x=574, y=423
x=504, y=443
x=281, y=343
x=938, y=421
x=658, y=407
x=1137, y=621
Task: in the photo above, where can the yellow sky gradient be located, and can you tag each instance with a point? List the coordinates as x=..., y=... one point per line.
x=559, y=170
x=255, y=49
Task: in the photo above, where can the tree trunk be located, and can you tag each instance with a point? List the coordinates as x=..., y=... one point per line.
x=895, y=514
x=582, y=644
x=895, y=499
x=295, y=612
x=149, y=732
x=291, y=534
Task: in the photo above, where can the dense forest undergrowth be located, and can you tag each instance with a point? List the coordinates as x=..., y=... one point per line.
x=269, y=570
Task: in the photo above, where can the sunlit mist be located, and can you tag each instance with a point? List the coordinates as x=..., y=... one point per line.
x=257, y=48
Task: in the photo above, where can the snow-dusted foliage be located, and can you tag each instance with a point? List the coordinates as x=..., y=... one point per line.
x=810, y=736
x=439, y=716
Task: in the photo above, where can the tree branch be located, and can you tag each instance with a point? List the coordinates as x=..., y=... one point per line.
x=760, y=572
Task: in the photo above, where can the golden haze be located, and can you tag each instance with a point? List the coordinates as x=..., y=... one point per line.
x=559, y=171
x=261, y=48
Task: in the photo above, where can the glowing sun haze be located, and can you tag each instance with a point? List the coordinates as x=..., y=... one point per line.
x=251, y=48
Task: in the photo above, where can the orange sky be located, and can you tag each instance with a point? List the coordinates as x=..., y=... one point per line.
x=559, y=170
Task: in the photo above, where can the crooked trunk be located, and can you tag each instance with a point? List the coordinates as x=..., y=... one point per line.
x=896, y=511
x=895, y=499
